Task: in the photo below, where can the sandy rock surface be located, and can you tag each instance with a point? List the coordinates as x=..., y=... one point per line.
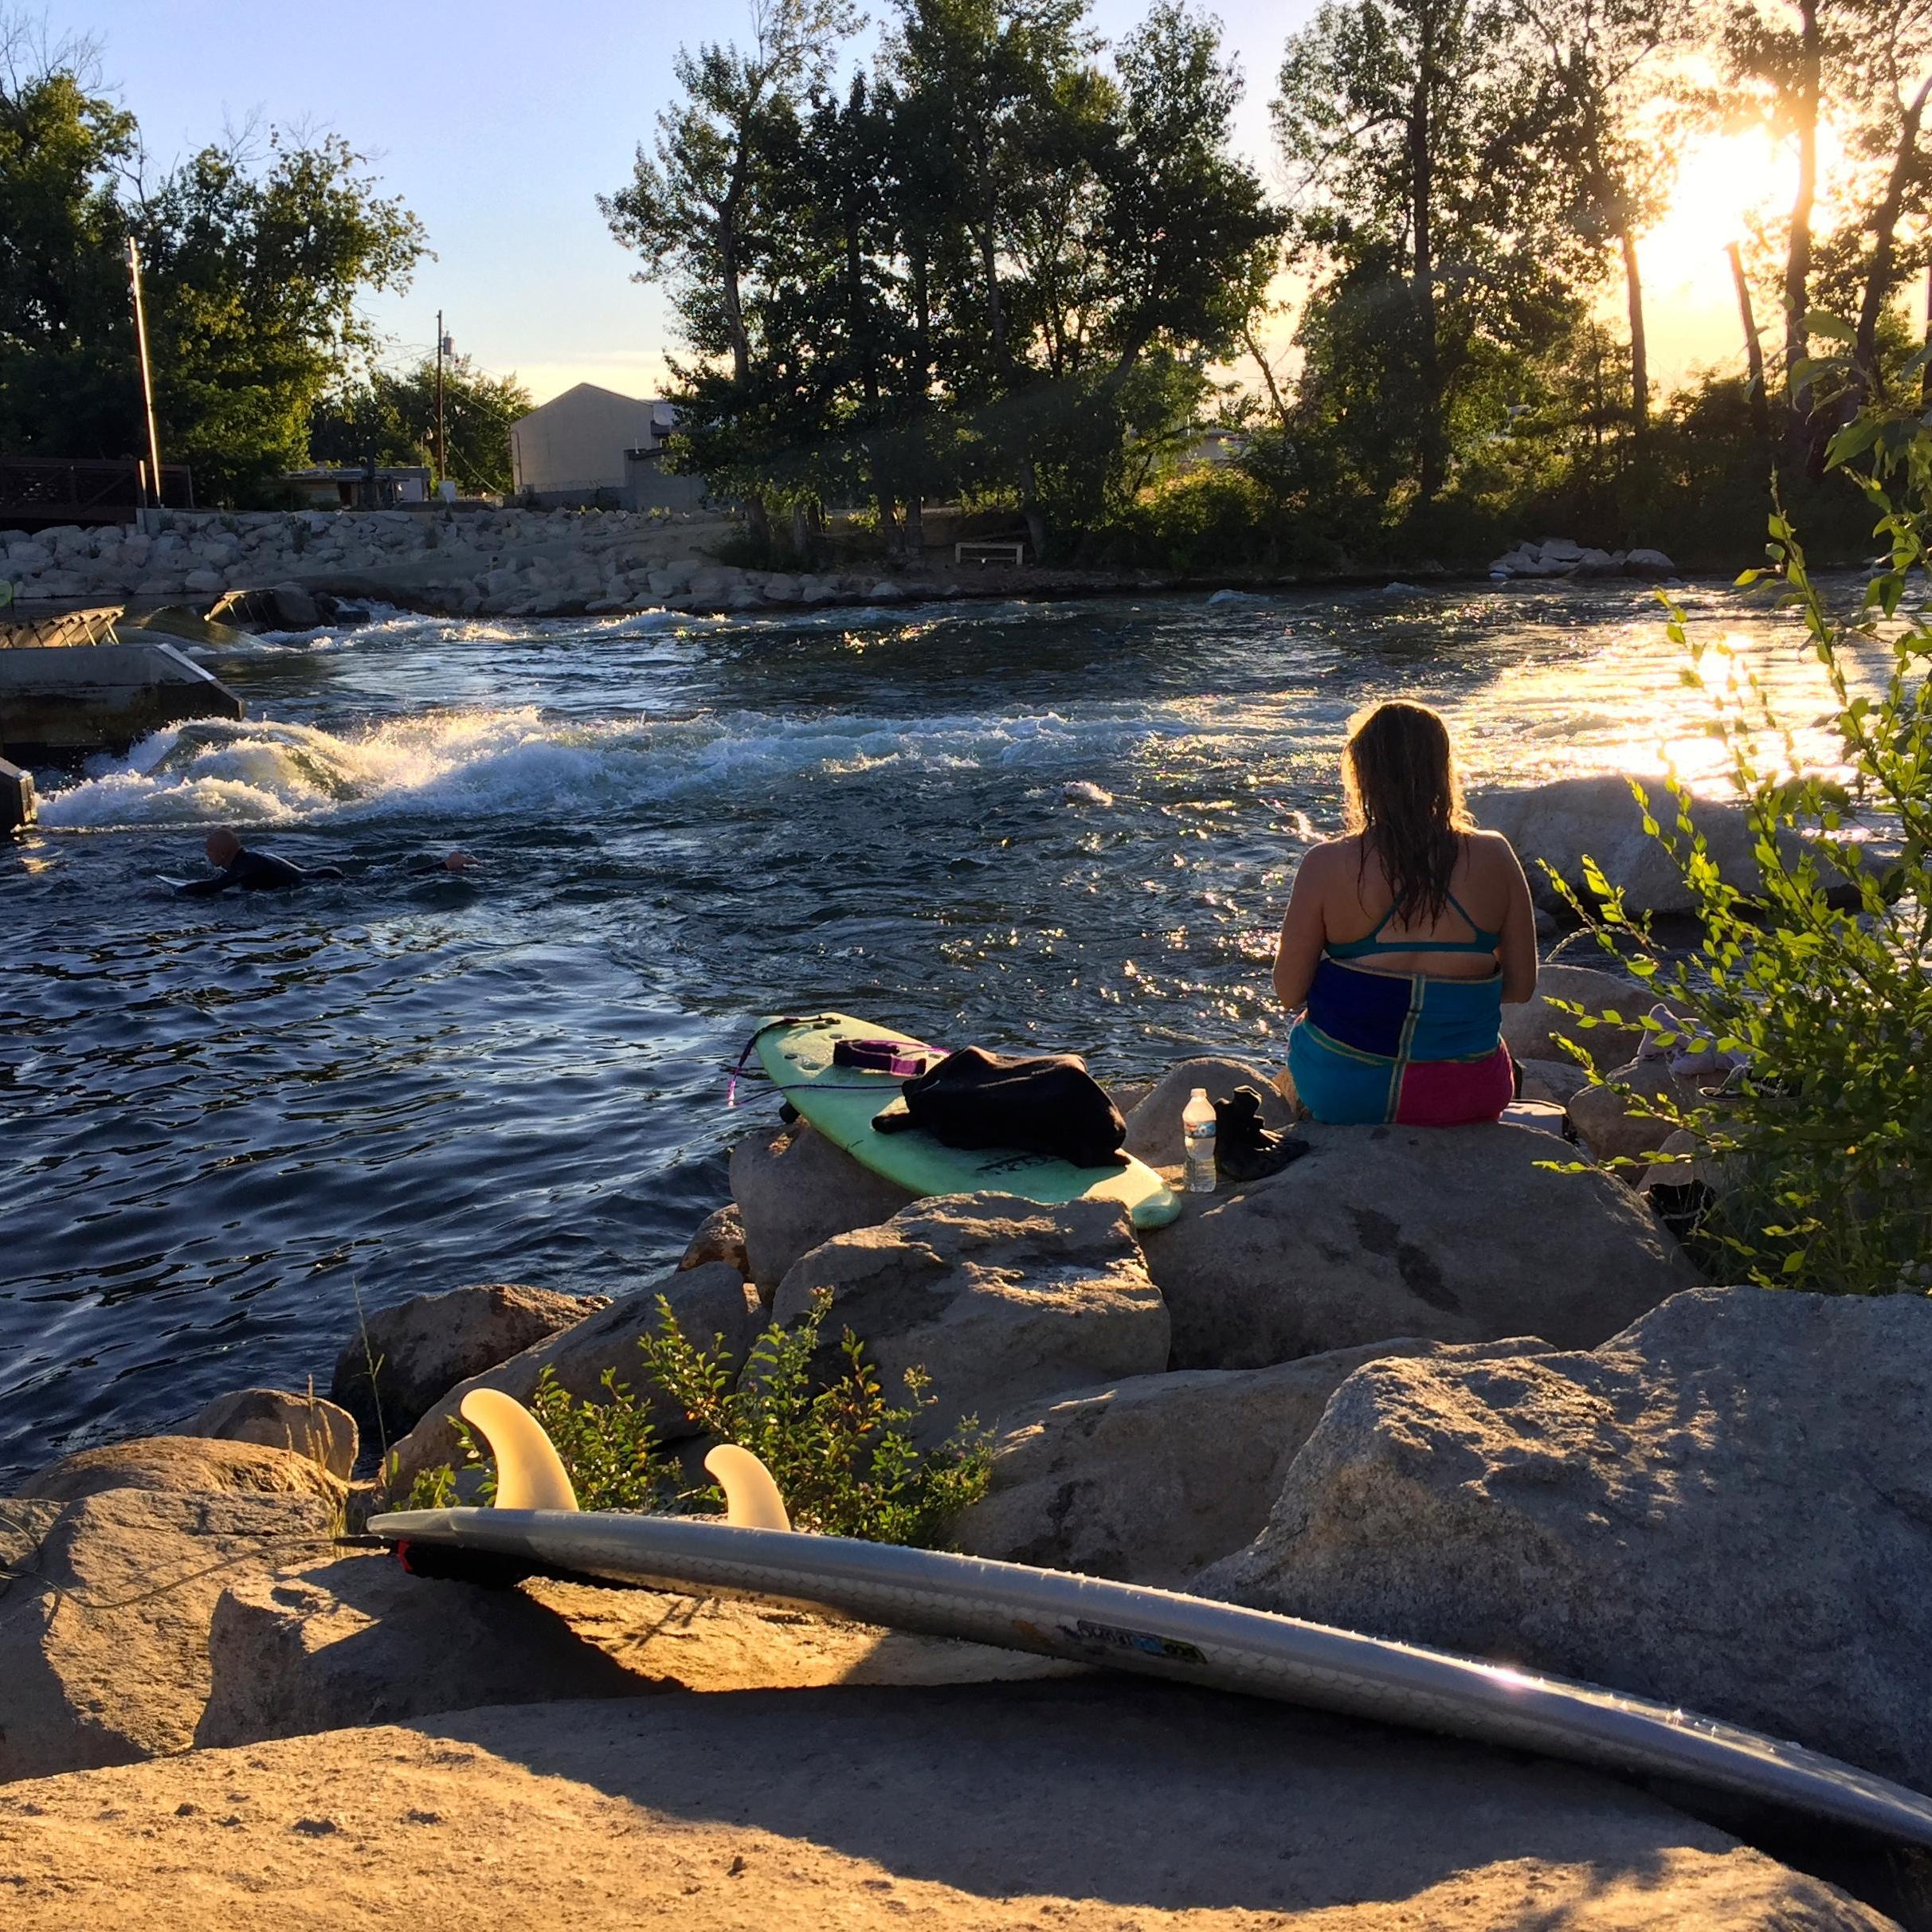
x=282, y=1419
x=1453, y=1234
x=709, y=1301
x=1154, y=1479
x=359, y=1641
x=794, y=1190
x=424, y=1346
x=1678, y=1513
x=103, y=1634
x=1086, y=1807
x=1002, y=1302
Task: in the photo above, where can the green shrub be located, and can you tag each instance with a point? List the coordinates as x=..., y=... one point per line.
x=1821, y=976
x=840, y=1452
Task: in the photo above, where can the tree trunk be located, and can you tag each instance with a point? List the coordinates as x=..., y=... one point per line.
x=1639, y=355
x=1434, y=464
x=1797, y=258
x=996, y=313
x=1267, y=374
x=1754, y=350
x=1879, y=278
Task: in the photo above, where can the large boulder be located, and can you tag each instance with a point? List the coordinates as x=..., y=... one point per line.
x=1530, y=1031
x=1612, y=1126
x=1560, y=824
x=1557, y=1082
x=708, y=1302
x=306, y=1424
x=1728, y=1506
x=1088, y=1806
x=424, y=1346
x=720, y=1237
x=1002, y=1302
x=185, y=1465
x=103, y=1631
x=1153, y=1479
x=794, y=1190
x=1154, y=1127
x=1451, y=1234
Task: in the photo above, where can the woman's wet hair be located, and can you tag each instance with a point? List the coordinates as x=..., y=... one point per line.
x=1399, y=772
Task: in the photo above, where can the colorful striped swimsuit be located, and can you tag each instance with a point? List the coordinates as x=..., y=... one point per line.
x=1401, y=1047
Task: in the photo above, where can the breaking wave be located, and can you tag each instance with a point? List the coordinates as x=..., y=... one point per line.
x=487, y=762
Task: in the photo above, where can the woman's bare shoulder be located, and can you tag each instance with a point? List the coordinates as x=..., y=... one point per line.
x=1324, y=860
x=1491, y=848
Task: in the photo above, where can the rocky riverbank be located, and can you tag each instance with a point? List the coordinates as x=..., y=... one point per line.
x=546, y=564
x=1418, y=1384
x=1425, y=1385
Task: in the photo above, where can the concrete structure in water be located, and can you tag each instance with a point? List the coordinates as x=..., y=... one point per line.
x=71, y=687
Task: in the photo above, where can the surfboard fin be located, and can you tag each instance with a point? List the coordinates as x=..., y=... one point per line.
x=530, y=1474
x=751, y=1498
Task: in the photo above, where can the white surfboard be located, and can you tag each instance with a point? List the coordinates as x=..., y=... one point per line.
x=1127, y=1627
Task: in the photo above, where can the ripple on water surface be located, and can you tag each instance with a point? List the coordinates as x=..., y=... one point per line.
x=1065, y=825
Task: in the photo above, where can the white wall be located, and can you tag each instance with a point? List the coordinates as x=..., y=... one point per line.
x=577, y=440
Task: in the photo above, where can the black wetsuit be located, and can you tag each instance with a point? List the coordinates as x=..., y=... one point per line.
x=258, y=871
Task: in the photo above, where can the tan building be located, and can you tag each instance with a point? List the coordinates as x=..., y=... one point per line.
x=575, y=446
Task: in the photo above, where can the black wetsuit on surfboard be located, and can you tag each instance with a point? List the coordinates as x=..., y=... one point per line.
x=256, y=871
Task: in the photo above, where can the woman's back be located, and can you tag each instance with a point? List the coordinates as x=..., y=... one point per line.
x=1403, y=941
x=1361, y=923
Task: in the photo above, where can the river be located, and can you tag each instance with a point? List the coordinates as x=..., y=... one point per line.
x=1058, y=825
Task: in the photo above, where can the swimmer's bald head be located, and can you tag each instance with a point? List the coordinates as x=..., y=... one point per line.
x=223, y=847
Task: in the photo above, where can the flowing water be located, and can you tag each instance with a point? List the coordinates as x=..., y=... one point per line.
x=1050, y=826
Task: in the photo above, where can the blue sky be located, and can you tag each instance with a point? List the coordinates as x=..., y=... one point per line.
x=498, y=123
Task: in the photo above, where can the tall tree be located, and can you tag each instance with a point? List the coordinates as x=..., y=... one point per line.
x=1605, y=67
x=257, y=263
x=67, y=386
x=694, y=209
x=1416, y=151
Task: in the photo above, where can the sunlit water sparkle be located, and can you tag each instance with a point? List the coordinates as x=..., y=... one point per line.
x=229, y=1118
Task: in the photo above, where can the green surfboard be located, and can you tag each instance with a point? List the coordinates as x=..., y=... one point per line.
x=839, y=1102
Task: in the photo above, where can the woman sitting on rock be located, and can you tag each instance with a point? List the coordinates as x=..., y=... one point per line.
x=1403, y=940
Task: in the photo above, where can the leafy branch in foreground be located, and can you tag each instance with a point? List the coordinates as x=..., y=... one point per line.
x=842, y=1454
x=1818, y=979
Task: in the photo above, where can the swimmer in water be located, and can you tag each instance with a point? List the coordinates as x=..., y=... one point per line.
x=249, y=872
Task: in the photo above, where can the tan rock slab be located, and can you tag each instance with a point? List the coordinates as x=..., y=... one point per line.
x=1095, y=1806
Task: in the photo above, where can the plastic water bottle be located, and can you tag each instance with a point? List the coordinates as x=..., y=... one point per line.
x=1197, y=1137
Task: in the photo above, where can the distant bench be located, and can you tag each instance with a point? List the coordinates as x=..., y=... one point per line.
x=1014, y=554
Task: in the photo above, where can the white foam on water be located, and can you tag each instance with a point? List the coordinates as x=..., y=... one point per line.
x=484, y=762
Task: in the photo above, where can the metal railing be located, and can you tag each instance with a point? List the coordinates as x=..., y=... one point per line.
x=48, y=490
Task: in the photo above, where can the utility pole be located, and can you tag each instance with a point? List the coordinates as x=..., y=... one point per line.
x=147, y=380
x=442, y=449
